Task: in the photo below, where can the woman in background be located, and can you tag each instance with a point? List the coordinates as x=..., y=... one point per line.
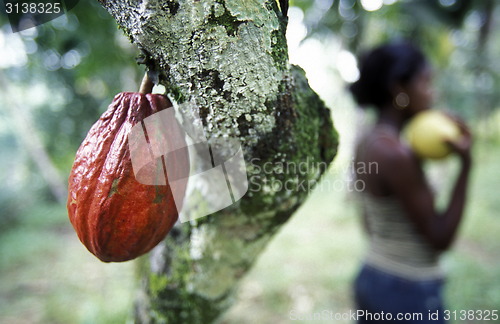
x=407, y=235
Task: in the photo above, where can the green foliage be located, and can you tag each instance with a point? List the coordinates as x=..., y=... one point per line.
x=460, y=39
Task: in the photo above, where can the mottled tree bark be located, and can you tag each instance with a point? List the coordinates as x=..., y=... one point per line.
x=230, y=59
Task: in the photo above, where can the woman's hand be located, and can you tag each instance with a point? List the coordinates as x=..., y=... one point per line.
x=462, y=146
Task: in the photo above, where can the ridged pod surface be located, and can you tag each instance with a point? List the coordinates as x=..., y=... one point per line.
x=116, y=217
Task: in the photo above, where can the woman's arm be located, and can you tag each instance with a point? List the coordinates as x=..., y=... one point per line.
x=403, y=176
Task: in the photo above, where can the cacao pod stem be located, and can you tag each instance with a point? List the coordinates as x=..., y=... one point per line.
x=146, y=85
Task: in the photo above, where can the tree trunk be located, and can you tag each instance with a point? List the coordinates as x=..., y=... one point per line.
x=230, y=59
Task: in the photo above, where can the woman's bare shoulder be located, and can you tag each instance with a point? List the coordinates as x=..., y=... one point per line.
x=384, y=146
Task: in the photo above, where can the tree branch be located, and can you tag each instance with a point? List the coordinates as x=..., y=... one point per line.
x=230, y=59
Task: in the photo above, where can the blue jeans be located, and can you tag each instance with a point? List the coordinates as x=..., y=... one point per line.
x=400, y=299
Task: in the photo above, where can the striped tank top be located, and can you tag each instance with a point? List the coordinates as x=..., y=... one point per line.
x=395, y=245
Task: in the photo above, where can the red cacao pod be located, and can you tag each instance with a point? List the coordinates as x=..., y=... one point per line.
x=116, y=217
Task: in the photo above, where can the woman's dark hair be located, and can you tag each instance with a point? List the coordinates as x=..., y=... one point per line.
x=383, y=68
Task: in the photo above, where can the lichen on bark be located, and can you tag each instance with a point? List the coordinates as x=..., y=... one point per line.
x=229, y=60
x=223, y=56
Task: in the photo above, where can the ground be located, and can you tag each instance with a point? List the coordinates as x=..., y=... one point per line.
x=47, y=276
